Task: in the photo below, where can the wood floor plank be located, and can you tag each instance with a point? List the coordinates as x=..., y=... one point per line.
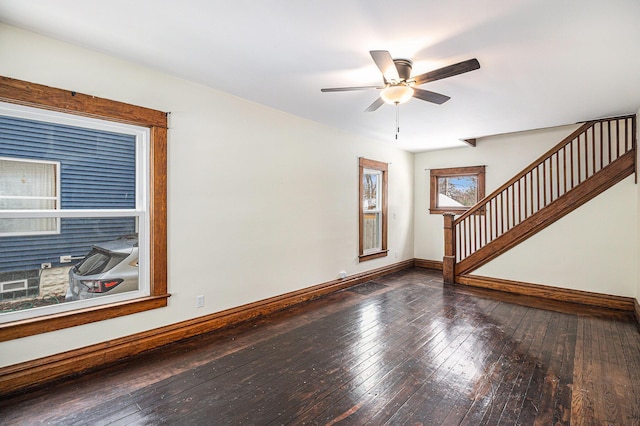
x=628, y=337
x=581, y=402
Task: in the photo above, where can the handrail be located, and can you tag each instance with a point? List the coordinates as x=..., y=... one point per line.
x=533, y=165
x=586, y=151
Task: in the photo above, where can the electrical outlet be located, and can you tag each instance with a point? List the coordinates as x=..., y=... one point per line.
x=200, y=301
x=65, y=259
x=45, y=266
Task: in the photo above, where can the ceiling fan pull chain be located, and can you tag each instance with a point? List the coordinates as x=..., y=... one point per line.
x=397, y=119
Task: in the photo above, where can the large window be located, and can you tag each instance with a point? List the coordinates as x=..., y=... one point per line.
x=455, y=190
x=373, y=209
x=82, y=209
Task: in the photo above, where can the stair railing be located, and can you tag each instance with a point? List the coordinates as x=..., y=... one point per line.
x=589, y=149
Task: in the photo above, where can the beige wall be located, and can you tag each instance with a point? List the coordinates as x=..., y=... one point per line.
x=260, y=202
x=593, y=249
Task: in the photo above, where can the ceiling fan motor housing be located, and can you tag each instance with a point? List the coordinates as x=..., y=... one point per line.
x=404, y=68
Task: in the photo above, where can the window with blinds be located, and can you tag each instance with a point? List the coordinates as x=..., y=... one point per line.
x=29, y=185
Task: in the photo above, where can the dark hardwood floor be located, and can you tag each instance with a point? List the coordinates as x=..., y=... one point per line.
x=402, y=349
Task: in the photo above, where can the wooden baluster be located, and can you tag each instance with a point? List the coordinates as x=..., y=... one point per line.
x=601, y=145
x=472, y=235
x=506, y=205
x=486, y=221
x=531, y=190
x=501, y=213
x=545, y=176
x=626, y=135
x=630, y=134
x=593, y=149
x=551, y=178
x=609, y=141
x=478, y=232
x=586, y=156
x=585, y=161
x=557, y=175
x=458, y=241
x=617, y=139
x=564, y=172
x=513, y=206
x=449, y=259
x=545, y=179
x=467, y=236
x=537, y=182
x=520, y=201
x=465, y=240
x=498, y=213
x=492, y=218
x=571, y=162
x=579, y=161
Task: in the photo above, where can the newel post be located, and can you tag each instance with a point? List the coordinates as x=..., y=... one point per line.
x=449, y=259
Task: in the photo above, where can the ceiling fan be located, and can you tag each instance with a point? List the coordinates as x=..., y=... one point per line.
x=399, y=86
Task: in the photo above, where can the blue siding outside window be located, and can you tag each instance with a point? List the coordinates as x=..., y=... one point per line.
x=97, y=171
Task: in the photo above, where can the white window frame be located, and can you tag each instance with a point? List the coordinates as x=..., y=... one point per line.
x=141, y=211
x=56, y=198
x=377, y=211
x=381, y=170
x=25, y=285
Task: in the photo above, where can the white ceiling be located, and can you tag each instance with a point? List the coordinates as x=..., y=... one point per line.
x=543, y=62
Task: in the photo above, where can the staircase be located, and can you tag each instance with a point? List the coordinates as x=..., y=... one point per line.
x=593, y=158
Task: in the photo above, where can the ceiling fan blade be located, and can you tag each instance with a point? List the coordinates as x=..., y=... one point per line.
x=346, y=89
x=429, y=96
x=375, y=105
x=385, y=63
x=449, y=71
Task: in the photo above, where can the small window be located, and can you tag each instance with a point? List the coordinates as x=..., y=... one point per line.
x=29, y=185
x=455, y=190
x=373, y=209
x=9, y=286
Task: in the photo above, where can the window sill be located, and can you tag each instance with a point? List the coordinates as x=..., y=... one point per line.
x=365, y=257
x=47, y=323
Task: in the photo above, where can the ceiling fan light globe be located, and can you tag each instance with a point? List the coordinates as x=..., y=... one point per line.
x=396, y=94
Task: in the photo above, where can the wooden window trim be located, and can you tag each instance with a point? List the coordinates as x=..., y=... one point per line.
x=382, y=167
x=69, y=102
x=435, y=174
